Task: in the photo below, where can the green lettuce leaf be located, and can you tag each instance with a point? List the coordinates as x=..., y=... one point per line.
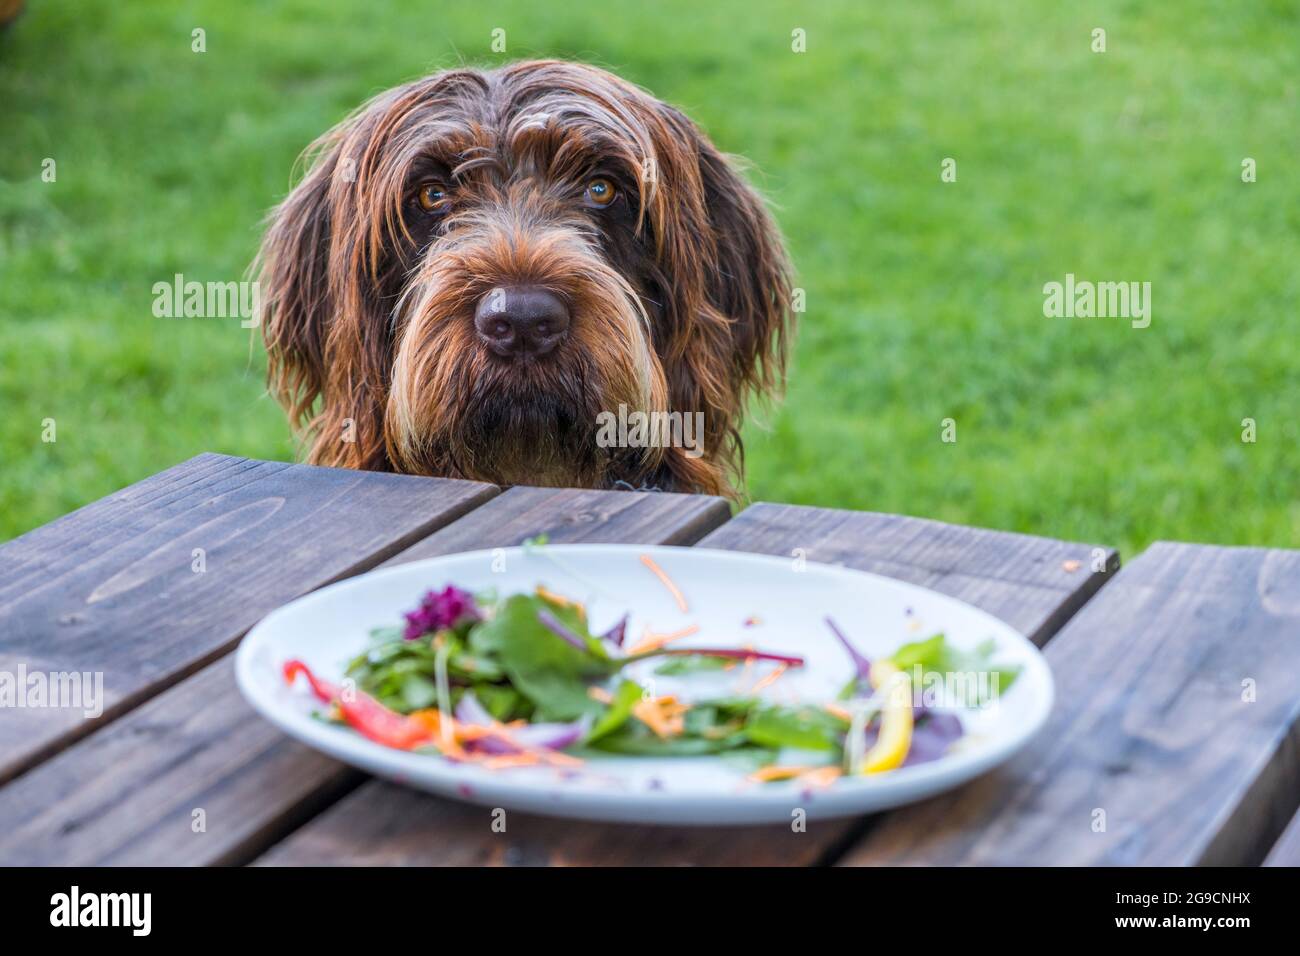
x=618, y=711
x=935, y=655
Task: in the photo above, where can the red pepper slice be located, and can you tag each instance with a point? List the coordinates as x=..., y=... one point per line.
x=363, y=713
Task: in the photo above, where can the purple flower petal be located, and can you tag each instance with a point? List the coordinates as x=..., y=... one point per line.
x=447, y=608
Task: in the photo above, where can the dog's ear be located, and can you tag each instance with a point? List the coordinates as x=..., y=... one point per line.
x=326, y=338
x=727, y=281
x=749, y=281
x=293, y=269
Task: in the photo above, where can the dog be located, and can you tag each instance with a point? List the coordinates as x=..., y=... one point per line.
x=480, y=266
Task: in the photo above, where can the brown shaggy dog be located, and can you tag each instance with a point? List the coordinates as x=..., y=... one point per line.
x=480, y=263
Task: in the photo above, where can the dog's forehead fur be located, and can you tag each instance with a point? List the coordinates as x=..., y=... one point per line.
x=549, y=120
x=679, y=290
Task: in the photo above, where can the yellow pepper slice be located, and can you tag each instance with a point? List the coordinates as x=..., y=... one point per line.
x=895, y=739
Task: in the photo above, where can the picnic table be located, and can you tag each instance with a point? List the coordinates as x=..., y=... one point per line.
x=1173, y=739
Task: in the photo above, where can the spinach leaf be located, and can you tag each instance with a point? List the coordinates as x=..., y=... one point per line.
x=679, y=666
x=636, y=739
x=418, y=692
x=803, y=728
x=542, y=666
x=474, y=668
x=502, y=701
x=731, y=706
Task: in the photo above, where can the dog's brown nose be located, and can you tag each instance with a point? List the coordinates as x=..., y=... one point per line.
x=521, y=320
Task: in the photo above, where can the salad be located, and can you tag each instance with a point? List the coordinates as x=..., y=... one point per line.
x=522, y=680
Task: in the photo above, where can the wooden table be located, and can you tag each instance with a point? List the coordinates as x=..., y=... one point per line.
x=1174, y=739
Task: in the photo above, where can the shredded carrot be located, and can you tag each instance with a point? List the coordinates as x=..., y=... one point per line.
x=770, y=679
x=768, y=774
x=525, y=758
x=835, y=710
x=449, y=735
x=652, y=642
x=663, y=715
x=561, y=601
x=443, y=731
x=430, y=718
x=813, y=776
x=455, y=733
x=667, y=582
x=500, y=731
x=600, y=694
x=822, y=776
x=506, y=761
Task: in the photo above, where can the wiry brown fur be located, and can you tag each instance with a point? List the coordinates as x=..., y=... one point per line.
x=679, y=299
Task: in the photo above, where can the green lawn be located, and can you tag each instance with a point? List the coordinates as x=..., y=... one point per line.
x=924, y=298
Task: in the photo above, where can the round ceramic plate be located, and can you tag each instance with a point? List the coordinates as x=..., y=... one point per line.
x=774, y=604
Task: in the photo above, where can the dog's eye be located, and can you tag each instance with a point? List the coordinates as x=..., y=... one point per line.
x=433, y=198
x=600, y=192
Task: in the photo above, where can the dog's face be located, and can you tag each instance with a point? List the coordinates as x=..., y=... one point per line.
x=479, y=264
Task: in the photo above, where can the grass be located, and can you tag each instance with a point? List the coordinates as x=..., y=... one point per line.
x=924, y=298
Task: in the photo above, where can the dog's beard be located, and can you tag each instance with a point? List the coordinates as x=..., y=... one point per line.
x=525, y=425
x=456, y=409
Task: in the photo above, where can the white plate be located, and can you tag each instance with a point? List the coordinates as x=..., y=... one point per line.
x=789, y=599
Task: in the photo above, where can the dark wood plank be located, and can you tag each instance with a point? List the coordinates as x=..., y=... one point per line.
x=1286, y=851
x=382, y=824
x=1155, y=726
x=1023, y=579
x=569, y=515
x=192, y=776
x=111, y=589
x=129, y=793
